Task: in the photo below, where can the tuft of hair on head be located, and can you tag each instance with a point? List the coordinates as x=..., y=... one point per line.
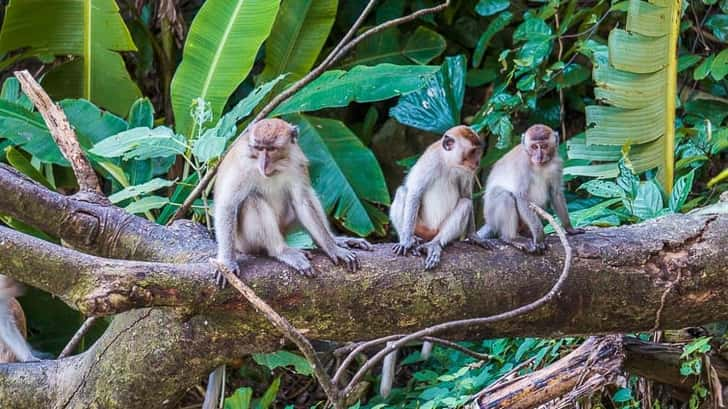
x=467, y=133
x=540, y=132
x=267, y=131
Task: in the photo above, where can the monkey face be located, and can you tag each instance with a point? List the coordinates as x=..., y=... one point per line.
x=463, y=148
x=268, y=144
x=540, y=142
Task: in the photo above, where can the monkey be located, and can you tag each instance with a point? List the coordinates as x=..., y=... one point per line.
x=13, y=347
x=530, y=172
x=434, y=206
x=262, y=188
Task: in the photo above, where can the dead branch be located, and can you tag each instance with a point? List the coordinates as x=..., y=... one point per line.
x=344, y=46
x=61, y=131
x=76, y=339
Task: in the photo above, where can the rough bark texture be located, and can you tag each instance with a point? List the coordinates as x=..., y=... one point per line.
x=149, y=356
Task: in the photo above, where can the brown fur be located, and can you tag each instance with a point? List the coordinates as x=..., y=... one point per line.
x=467, y=133
x=539, y=133
x=268, y=131
x=6, y=355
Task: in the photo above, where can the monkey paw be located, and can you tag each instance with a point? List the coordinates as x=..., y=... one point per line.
x=432, y=251
x=405, y=246
x=353, y=243
x=346, y=256
x=575, y=230
x=474, y=239
x=298, y=259
x=230, y=265
x=536, y=248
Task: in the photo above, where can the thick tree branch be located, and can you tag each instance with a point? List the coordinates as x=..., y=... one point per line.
x=61, y=131
x=100, y=229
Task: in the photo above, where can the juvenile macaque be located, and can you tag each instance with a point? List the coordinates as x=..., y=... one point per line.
x=13, y=347
x=262, y=189
x=530, y=172
x=434, y=206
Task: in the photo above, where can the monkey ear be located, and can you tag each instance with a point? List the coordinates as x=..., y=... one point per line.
x=556, y=138
x=294, y=134
x=448, y=142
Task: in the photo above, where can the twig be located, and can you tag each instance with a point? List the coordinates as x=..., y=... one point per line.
x=344, y=46
x=669, y=288
x=369, y=364
x=503, y=380
x=61, y=131
x=289, y=331
x=73, y=343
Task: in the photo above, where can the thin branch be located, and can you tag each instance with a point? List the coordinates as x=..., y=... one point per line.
x=658, y=314
x=289, y=331
x=61, y=131
x=343, y=47
x=369, y=364
x=73, y=343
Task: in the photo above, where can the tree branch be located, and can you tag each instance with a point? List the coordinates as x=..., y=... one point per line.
x=61, y=131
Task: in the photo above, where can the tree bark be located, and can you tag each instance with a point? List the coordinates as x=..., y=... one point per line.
x=174, y=326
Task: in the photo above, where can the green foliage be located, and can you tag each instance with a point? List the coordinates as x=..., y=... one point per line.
x=344, y=173
x=299, y=33
x=436, y=107
x=92, y=31
x=282, y=359
x=219, y=52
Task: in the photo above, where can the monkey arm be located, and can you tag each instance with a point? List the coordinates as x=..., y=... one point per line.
x=227, y=206
x=558, y=202
x=531, y=219
x=311, y=215
x=456, y=223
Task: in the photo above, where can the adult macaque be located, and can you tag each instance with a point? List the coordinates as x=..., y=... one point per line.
x=13, y=347
x=530, y=172
x=434, y=206
x=262, y=189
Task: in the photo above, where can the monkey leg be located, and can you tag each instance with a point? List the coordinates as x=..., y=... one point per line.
x=483, y=237
x=502, y=214
x=534, y=225
x=260, y=230
x=451, y=229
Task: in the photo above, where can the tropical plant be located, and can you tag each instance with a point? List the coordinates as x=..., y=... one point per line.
x=91, y=32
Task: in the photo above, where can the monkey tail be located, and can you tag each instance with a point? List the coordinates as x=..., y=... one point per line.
x=14, y=342
x=215, y=389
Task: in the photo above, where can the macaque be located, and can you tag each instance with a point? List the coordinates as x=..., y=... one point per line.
x=434, y=206
x=13, y=347
x=530, y=172
x=262, y=189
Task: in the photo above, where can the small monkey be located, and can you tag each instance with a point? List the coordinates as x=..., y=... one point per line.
x=434, y=205
x=262, y=189
x=13, y=347
x=530, y=172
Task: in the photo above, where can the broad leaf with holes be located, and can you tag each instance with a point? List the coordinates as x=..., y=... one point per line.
x=345, y=174
x=91, y=30
x=218, y=54
x=436, y=107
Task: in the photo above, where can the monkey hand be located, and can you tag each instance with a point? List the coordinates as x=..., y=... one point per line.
x=573, y=230
x=474, y=238
x=432, y=251
x=230, y=265
x=405, y=246
x=346, y=256
x=536, y=247
x=353, y=243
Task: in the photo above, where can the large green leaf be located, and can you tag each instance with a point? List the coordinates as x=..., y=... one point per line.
x=91, y=30
x=26, y=129
x=298, y=35
x=141, y=143
x=338, y=88
x=436, y=107
x=390, y=46
x=344, y=172
x=218, y=54
x=636, y=75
